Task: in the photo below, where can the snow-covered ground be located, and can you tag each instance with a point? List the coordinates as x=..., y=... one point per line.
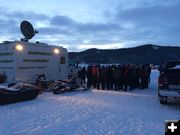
x=93, y=112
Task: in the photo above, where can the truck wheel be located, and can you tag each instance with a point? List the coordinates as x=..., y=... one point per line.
x=163, y=100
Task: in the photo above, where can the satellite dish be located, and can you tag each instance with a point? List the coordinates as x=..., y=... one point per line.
x=27, y=30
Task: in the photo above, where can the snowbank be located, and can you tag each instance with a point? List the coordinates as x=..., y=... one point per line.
x=93, y=112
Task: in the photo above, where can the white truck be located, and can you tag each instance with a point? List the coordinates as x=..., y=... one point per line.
x=169, y=81
x=23, y=61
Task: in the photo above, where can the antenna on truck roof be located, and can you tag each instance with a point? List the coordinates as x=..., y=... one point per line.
x=27, y=30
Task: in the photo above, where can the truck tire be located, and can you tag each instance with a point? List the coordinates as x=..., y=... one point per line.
x=163, y=99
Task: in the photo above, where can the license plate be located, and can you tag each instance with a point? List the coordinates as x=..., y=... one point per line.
x=174, y=86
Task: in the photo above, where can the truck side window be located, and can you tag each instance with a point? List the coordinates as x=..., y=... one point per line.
x=63, y=60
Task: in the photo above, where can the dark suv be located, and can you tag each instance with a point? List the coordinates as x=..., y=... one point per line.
x=169, y=81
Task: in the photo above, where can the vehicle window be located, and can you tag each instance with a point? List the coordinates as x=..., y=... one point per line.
x=63, y=60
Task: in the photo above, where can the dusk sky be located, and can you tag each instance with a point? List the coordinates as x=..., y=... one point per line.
x=104, y=24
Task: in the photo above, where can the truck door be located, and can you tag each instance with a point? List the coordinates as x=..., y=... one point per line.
x=63, y=68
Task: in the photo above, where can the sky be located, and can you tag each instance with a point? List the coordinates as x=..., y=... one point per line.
x=82, y=24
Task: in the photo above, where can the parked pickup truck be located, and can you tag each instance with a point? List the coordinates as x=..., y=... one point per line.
x=169, y=81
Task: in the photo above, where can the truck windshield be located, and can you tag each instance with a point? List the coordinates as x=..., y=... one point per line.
x=174, y=65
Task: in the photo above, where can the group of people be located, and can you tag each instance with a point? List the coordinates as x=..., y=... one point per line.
x=116, y=77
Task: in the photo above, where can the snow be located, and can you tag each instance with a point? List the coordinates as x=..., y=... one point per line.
x=176, y=67
x=93, y=112
x=155, y=47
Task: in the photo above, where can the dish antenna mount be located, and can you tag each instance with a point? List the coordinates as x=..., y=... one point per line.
x=27, y=30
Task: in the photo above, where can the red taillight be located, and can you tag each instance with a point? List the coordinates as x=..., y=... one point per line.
x=160, y=81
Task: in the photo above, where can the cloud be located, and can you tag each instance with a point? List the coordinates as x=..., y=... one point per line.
x=151, y=15
x=126, y=23
x=104, y=46
x=72, y=25
x=17, y=16
x=76, y=33
x=95, y=27
x=53, y=31
x=153, y=23
x=62, y=21
x=10, y=22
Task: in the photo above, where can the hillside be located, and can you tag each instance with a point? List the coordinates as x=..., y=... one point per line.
x=142, y=54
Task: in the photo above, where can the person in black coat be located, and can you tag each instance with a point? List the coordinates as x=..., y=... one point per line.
x=89, y=77
x=109, y=78
x=117, y=75
x=143, y=78
x=83, y=74
x=149, y=72
x=102, y=76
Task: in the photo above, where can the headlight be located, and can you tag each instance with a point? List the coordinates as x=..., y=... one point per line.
x=19, y=47
x=56, y=51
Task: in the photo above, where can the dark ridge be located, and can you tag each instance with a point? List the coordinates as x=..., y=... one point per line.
x=148, y=53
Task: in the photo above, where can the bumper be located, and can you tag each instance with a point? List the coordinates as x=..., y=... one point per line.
x=169, y=93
